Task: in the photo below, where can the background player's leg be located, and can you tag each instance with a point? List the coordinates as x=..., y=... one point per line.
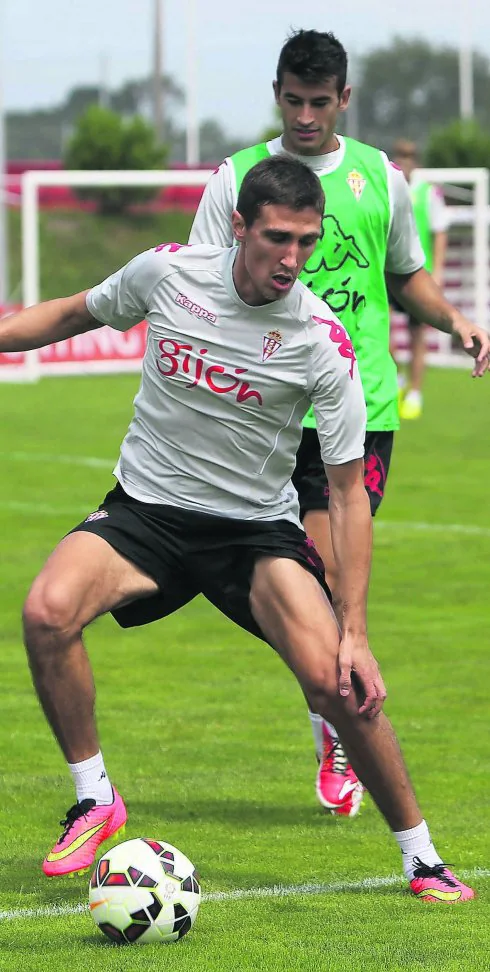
x=411, y=407
x=317, y=527
x=337, y=786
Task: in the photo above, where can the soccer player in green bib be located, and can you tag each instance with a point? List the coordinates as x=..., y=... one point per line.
x=431, y=220
x=368, y=238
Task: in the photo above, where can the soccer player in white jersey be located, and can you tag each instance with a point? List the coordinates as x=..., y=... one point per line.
x=368, y=230
x=237, y=347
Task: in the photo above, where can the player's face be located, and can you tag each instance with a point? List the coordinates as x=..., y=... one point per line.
x=273, y=251
x=309, y=114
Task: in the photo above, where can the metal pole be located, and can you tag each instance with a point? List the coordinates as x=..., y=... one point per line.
x=192, y=130
x=158, y=112
x=103, y=80
x=352, y=114
x=466, y=95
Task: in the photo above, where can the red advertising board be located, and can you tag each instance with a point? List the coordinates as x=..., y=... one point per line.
x=102, y=350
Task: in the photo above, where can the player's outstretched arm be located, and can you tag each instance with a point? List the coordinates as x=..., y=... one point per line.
x=351, y=526
x=46, y=323
x=422, y=298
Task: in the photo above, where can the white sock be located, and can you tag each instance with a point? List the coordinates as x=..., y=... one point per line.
x=91, y=780
x=317, y=729
x=402, y=380
x=416, y=843
x=414, y=396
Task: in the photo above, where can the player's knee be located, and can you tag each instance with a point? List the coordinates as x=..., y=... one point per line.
x=48, y=613
x=324, y=695
x=321, y=690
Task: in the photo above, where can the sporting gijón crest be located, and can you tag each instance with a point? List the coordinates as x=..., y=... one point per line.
x=271, y=342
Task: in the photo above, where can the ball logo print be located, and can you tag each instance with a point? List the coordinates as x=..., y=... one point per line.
x=144, y=891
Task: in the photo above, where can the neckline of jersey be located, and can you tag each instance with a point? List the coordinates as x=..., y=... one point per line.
x=319, y=163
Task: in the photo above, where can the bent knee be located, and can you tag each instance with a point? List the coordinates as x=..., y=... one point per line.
x=324, y=697
x=49, y=611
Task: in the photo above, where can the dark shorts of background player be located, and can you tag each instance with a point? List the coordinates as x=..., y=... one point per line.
x=311, y=482
x=188, y=553
x=413, y=322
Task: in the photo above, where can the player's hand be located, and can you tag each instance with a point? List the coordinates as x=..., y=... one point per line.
x=475, y=341
x=355, y=657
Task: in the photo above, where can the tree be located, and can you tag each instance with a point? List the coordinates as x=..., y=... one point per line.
x=409, y=87
x=105, y=140
x=461, y=143
x=43, y=134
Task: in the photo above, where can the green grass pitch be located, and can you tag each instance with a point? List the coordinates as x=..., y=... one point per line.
x=206, y=735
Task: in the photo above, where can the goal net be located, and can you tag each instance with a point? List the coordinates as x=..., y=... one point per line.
x=65, y=246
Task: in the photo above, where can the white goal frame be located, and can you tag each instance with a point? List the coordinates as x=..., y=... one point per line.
x=32, y=180
x=476, y=215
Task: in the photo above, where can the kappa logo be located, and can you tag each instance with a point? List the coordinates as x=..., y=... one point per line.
x=356, y=183
x=97, y=515
x=195, y=309
x=271, y=342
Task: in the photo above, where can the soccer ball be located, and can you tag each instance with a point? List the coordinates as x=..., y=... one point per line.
x=144, y=891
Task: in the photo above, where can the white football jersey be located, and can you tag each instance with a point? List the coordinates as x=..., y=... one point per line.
x=225, y=385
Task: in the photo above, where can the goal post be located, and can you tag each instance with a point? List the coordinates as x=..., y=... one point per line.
x=467, y=270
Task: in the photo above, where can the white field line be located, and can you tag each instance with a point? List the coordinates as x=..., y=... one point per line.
x=466, y=529
x=89, y=461
x=239, y=894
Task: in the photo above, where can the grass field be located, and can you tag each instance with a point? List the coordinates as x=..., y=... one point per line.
x=206, y=735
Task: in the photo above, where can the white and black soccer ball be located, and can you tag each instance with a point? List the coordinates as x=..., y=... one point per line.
x=144, y=891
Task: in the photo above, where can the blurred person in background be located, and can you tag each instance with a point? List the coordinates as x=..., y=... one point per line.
x=368, y=239
x=432, y=223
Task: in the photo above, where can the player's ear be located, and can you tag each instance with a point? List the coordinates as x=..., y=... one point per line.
x=276, y=90
x=344, y=97
x=238, y=226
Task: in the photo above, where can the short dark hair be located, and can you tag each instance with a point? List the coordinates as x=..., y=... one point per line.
x=314, y=57
x=279, y=181
x=405, y=149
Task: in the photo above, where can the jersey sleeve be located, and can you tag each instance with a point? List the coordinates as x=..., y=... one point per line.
x=212, y=222
x=337, y=395
x=404, y=252
x=121, y=300
x=438, y=215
